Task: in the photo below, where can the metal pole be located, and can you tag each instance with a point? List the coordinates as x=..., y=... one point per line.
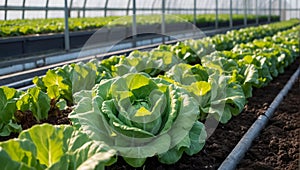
x=270, y=8
x=84, y=5
x=256, y=12
x=163, y=22
x=46, y=12
x=230, y=15
x=128, y=5
x=297, y=10
x=245, y=12
x=152, y=7
x=217, y=16
x=279, y=6
x=284, y=10
x=67, y=37
x=23, y=11
x=105, y=8
x=71, y=5
x=5, y=11
x=134, y=31
x=195, y=10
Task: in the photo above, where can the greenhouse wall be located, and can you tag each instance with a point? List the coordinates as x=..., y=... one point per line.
x=20, y=9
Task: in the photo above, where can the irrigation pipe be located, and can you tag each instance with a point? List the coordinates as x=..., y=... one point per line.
x=244, y=144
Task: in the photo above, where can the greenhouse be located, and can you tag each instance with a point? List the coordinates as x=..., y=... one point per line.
x=149, y=84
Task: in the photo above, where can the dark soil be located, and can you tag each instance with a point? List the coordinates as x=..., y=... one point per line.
x=279, y=147
x=27, y=120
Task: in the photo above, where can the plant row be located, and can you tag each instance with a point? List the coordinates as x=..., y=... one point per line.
x=41, y=26
x=142, y=105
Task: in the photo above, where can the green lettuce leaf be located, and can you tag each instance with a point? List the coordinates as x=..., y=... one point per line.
x=55, y=147
x=36, y=101
x=153, y=63
x=8, y=99
x=63, y=82
x=140, y=117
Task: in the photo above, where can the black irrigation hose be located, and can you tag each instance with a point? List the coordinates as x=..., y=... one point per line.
x=244, y=144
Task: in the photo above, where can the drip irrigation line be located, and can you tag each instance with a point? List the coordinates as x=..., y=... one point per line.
x=244, y=144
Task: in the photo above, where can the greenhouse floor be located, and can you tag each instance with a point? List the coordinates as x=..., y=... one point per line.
x=276, y=147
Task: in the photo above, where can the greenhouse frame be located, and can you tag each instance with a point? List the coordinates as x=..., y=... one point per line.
x=149, y=84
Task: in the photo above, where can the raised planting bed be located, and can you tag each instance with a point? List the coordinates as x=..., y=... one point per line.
x=18, y=27
x=148, y=108
x=278, y=145
x=276, y=148
x=37, y=36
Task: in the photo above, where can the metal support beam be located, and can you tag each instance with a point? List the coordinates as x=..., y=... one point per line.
x=217, y=15
x=46, y=10
x=152, y=6
x=128, y=6
x=270, y=10
x=134, y=30
x=245, y=12
x=163, y=22
x=105, y=8
x=284, y=10
x=67, y=37
x=230, y=15
x=279, y=8
x=195, y=13
x=5, y=11
x=84, y=5
x=70, y=8
x=23, y=11
x=256, y=12
x=297, y=10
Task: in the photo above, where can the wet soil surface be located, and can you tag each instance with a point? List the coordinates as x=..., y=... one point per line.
x=278, y=145
x=27, y=120
x=276, y=148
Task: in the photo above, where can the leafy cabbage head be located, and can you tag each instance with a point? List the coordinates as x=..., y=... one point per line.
x=141, y=117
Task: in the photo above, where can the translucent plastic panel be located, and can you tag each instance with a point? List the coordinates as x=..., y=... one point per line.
x=224, y=7
x=118, y=3
x=1, y=15
x=179, y=4
x=174, y=7
x=14, y=2
x=251, y=6
x=12, y=14
x=40, y=3
x=56, y=14
x=116, y=13
x=294, y=12
x=148, y=4
x=76, y=14
x=57, y=3
x=77, y=3
x=209, y=4
x=35, y=14
x=95, y=3
x=93, y=13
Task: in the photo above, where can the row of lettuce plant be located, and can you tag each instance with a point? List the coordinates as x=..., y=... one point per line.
x=156, y=112
x=19, y=27
x=131, y=111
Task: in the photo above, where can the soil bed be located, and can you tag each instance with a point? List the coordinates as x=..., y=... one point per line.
x=278, y=148
x=226, y=136
x=278, y=145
